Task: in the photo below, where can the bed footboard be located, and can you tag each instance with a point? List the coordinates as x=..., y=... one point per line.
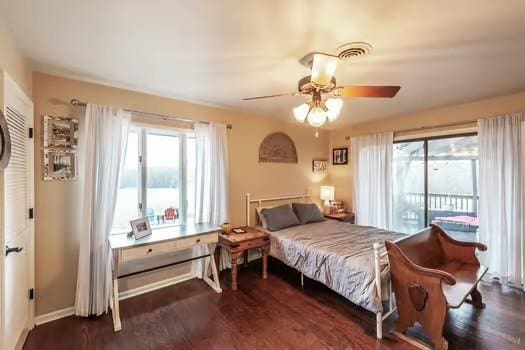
x=381, y=316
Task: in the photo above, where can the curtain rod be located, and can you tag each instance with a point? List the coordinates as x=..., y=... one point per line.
x=78, y=103
x=465, y=122
x=422, y=128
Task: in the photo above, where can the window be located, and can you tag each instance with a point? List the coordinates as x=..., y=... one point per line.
x=436, y=181
x=157, y=179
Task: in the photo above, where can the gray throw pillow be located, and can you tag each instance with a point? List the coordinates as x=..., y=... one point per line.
x=307, y=212
x=280, y=217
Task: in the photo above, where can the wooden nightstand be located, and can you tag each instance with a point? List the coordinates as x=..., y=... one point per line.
x=238, y=244
x=346, y=217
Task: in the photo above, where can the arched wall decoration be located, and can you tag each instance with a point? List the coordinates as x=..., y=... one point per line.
x=277, y=148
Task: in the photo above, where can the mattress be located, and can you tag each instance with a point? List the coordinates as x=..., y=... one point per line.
x=337, y=254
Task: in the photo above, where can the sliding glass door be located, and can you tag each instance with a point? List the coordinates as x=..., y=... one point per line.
x=453, y=185
x=409, y=186
x=436, y=181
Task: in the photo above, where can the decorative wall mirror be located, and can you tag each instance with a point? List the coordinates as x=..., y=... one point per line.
x=5, y=143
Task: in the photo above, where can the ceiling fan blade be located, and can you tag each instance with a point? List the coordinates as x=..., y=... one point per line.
x=366, y=91
x=323, y=68
x=268, y=96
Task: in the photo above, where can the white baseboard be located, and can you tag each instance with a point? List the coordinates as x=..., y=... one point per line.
x=55, y=315
x=21, y=340
x=69, y=311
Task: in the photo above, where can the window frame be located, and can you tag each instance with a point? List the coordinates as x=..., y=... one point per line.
x=142, y=170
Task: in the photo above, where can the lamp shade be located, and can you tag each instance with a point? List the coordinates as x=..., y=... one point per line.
x=316, y=117
x=300, y=112
x=327, y=193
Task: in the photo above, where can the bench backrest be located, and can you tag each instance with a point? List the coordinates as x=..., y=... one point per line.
x=423, y=248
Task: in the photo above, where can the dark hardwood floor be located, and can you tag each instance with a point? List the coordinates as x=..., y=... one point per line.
x=272, y=314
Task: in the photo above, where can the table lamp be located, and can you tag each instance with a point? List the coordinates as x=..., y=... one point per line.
x=327, y=195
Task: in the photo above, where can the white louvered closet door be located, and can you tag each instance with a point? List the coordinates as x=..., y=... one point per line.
x=18, y=226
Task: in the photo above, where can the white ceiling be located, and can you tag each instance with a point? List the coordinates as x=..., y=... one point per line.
x=217, y=52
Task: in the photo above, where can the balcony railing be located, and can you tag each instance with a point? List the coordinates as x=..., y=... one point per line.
x=460, y=203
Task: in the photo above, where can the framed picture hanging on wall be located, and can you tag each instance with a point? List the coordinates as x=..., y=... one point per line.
x=60, y=164
x=340, y=156
x=60, y=132
x=319, y=165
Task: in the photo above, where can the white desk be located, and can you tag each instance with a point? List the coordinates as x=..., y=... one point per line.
x=163, y=241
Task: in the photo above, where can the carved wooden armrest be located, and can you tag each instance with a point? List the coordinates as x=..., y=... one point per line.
x=458, y=250
x=411, y=268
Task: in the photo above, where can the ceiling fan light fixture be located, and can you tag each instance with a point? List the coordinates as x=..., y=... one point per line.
x=323, y=68
x=334, y=106
x=316, y=117
x=300, y=112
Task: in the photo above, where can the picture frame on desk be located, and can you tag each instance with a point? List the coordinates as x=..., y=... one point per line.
x=141, y=228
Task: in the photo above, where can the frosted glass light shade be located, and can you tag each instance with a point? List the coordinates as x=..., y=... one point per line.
x=316, y=117
x=327, y=193
x=334, y=106
x=300, y=112
x=323, y=68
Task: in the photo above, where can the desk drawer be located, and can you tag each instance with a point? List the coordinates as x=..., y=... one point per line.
x=148, y=250
x=252, y=244
x=192, y=241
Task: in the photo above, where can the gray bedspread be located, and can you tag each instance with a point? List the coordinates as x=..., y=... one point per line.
x=337, y=254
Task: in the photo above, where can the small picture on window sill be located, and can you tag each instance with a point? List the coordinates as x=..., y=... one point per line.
x=140, y=227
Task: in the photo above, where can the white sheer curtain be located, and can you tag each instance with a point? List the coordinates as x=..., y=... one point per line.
x=501, y=228
x=211, y=180
x=372, y=175
x=103, y=147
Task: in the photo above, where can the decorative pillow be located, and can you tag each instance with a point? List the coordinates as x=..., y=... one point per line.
x=307, y=212
x=280, y=217
x=261, y=217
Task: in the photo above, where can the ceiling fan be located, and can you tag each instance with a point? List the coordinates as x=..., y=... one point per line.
x=321, y=87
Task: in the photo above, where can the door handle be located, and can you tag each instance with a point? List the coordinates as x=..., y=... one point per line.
x=12, y=250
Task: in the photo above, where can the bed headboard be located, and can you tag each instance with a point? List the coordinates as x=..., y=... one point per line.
x=259, y=202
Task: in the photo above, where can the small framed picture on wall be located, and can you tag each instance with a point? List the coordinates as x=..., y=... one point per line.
x=340, y=156
x=60, y=165
x=319, y=165
x=60, y=132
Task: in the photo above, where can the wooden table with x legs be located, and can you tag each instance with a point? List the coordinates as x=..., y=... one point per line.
x=238, y=244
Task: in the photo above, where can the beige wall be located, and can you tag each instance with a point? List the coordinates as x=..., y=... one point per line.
x=341, y=176
x=57, y=207
x=12, y=61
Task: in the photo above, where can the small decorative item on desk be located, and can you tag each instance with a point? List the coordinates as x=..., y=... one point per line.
x=239, y=230
x=227, y=228
x=140, y=227
x=171, y=214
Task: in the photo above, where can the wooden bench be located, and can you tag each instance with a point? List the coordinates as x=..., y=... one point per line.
x=431, y=272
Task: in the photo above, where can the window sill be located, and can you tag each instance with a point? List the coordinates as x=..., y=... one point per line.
x=153, y=228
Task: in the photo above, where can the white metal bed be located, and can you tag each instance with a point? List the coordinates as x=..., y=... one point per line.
x=380, y=256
